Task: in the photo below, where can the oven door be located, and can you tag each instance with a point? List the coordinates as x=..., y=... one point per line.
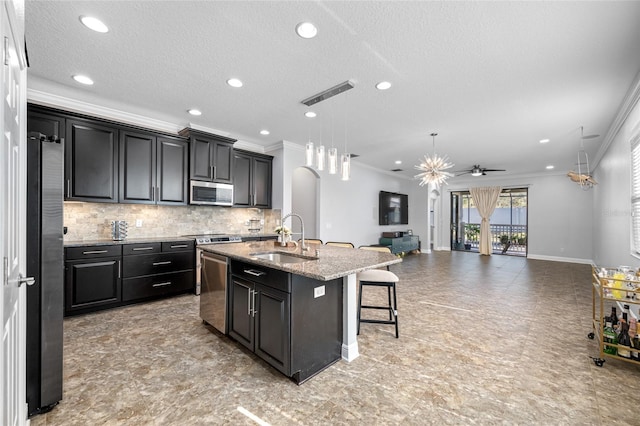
x=211, y=193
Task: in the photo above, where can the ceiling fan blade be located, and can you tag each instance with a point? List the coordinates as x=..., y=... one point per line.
x=493, y=170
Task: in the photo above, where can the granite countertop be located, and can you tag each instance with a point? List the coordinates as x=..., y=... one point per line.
x=333, y=262
x=84, y=243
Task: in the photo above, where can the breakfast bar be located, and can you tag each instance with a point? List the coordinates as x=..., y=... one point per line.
x=311, y=270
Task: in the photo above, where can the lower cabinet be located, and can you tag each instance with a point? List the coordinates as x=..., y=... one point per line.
x=107, y=276
x=157, y=269
x=92, y=278
x=292, y=322
x=401, y=244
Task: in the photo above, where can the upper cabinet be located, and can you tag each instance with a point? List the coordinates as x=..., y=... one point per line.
x=251, y=179
x=211, y=156
x=91, y=161
x=153, y=168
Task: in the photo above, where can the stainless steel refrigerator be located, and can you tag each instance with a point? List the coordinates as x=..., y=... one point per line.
x=45, y=262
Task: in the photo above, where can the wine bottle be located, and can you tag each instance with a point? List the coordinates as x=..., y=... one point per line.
x=633, y=332
x=623, y=334
x=609, y=336
x=614, y=317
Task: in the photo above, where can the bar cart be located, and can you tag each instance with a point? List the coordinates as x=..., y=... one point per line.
x=613, y=287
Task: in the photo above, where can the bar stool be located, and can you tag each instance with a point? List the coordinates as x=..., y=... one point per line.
x=379, y=278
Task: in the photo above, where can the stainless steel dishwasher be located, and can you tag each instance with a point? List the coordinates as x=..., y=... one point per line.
x=213, y=293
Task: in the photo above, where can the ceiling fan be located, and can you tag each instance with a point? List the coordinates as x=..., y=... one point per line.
x=476, y=170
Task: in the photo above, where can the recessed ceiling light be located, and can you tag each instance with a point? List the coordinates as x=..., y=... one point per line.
x=195, y=112
x=264, y=132
x=398, y=162
x=310, y=114
x=306, y=30
x=234, y=82
x=383, y=85
x=83, y=79
x=544, y=140
x=549, y=167
x=94, y=24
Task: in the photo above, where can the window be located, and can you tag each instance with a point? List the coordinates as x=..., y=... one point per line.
x=635, y=194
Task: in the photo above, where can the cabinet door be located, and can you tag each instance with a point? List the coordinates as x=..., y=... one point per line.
x=137, y=167
x=91, y=161
x=272, y=327
x=172, y=174
x=47, y=124
x=262, y=183
x=242, y=188
x=201, y=162
x=222, y=161
x=91, y=284
x=241, y=325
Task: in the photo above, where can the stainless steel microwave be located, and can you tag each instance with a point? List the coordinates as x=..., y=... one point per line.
x=210, y=193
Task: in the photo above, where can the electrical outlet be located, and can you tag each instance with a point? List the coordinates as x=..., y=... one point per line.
x=318, y=292
x=261, y=221
x=138, y=223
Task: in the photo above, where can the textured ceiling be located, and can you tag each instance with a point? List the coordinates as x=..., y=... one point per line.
x=491, y=78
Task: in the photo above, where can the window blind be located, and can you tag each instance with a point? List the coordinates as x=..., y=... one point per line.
x=635, y=193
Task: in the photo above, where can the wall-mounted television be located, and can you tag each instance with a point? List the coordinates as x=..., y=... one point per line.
x=393, y=208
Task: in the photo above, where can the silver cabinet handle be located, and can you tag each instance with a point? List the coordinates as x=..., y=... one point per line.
x=162, y=284
x=68, y=187
x=119, y=269
x=168, y=262
x=255, y=311
x=249, y=302
x=25, y=280
x=254, y=272
x=180, y=246
x=214, y=171
x=142, y=248
x=94, y=251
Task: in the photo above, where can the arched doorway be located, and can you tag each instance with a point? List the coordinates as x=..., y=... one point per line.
x=305, y=200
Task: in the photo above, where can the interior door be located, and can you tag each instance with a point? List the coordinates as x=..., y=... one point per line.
x=13, y=407
x=455, y=214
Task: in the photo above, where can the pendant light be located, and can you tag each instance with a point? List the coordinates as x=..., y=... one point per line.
x=433, y=167
x=345, y=158
x=309, y=151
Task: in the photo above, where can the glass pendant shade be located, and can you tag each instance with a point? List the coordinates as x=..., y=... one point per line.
x=309, y=154
x=333, y=161
x=320, y=158
x=345, y=170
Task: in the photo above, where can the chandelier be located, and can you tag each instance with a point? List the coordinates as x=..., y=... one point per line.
x=583, y=176
x=433, y=167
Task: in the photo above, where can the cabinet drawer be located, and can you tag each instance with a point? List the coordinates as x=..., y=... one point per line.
x=273, y=278
x=179, y=245
x=141, y=248
x=91, y=252
x=159, y=263
x=156, y=285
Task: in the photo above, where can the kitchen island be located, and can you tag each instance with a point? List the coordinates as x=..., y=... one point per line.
x=318, y=275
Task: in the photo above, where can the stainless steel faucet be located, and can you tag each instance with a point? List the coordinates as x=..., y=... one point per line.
x=303, y=246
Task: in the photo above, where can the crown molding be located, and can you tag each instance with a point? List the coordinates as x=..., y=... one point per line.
x=628, y=103
x=73, y=105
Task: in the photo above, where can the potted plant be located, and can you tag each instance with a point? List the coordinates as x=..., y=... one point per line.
x=506, y=243
x=471, y=233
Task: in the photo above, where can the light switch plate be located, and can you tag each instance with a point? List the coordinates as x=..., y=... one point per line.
x=318, y=292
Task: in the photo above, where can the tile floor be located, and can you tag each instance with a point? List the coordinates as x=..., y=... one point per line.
x=483, y=340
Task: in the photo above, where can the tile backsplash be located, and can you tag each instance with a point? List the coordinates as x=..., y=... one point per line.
x=92, y=221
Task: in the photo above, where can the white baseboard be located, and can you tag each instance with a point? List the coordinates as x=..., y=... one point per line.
x=350, y=352
x=559, y=259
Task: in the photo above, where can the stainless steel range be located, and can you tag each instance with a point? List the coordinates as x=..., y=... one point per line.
x=211, y=280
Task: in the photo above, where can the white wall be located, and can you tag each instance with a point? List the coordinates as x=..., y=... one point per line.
x=560, y=216
x=612, y=197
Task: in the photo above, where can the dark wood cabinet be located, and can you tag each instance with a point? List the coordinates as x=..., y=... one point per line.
x=157, y=269
x=111, y=275
x=46, y=123
x=91, y=161
x=259, y=320
x=211, y=156
x=153, y=169
x=252, y=174
x=92, y=278
x=292, y=322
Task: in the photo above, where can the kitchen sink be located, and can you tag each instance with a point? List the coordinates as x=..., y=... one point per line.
x=281, y=257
